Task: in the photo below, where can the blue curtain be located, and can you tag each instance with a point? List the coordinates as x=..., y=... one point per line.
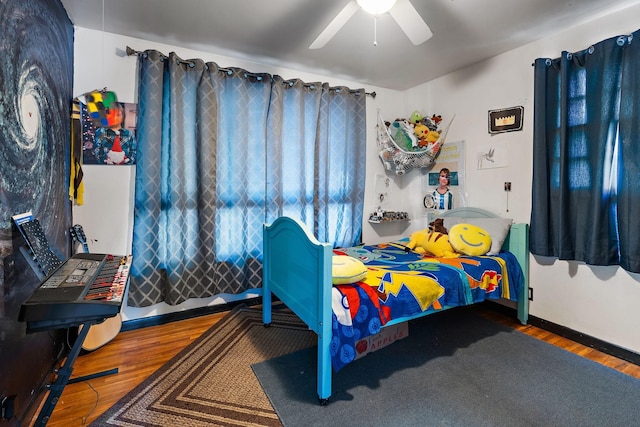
x=316, y=158
x=629, y=171
x=585, y=180
x=223, y=150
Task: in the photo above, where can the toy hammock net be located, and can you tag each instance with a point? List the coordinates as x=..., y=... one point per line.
x=400, y=150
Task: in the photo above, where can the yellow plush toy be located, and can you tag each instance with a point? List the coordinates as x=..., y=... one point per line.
x=432, y=136
x=432, y=242
x=421, y=131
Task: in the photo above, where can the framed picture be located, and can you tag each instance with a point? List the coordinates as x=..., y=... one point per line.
x=113, y=144
x=505, y=119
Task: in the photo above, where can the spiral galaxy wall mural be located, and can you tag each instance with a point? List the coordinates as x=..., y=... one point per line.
x=36, y=76
x=36, y=79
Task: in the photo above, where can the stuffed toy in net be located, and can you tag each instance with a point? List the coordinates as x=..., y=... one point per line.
x=402, y=148
x=100, y=105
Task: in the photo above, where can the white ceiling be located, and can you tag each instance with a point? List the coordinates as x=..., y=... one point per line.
x=278, y=32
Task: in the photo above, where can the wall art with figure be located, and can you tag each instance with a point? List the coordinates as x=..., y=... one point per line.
x=113, y=144
x=444, y=184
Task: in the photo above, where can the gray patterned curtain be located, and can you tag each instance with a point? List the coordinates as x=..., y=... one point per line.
x=220, y=152
x=341, y=166
x=175, y=190
x=316, y=158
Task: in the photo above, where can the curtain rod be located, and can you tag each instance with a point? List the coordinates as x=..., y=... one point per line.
x=132, y=52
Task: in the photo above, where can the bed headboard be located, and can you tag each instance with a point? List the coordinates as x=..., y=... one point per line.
x=465, y=212
x=516, y=242
x=500, y=228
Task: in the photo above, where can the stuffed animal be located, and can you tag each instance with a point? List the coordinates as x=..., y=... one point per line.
x=431, y=143
x=432, y=136
x=421, y=132
x=416, y=117
x=437, y=225
x=402, y=133
x=433, y=243
x=432, y=122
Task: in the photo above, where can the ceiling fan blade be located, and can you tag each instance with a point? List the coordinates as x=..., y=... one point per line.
x=411, y=22
x=335, y=25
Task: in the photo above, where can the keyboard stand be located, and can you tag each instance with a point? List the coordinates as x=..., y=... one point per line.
x=43, y=265
x=63, y=375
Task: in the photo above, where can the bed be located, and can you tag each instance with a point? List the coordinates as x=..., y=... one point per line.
x=297, y=269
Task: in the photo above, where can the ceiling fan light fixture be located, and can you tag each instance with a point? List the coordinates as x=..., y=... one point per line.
x=402, y=11
x=376, y=7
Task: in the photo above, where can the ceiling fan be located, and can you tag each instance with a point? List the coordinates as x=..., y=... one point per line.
x=402, y=11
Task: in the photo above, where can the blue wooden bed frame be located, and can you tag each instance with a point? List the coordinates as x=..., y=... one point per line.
x=297, y=269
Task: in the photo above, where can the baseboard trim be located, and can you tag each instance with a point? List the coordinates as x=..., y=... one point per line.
x=573, y=335
x=161, y=319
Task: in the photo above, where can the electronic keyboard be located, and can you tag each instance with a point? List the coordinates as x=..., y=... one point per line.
x=86, y=288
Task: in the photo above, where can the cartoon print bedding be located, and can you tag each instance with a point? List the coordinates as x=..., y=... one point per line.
x=401, y=284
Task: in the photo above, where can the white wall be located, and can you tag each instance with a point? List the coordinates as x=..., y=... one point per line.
x=598, y=301
x=107, y=212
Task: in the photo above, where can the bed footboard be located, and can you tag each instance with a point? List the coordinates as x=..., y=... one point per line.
x=297, y=269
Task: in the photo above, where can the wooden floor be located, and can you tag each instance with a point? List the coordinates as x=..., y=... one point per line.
x=136, y=354
x=140, y=352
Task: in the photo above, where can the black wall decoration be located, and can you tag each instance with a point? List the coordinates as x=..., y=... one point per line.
x=36, y=76
x=505, y=119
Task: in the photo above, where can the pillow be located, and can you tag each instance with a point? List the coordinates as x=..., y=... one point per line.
x=469, y=239
x=346, y=269
x=498, y=228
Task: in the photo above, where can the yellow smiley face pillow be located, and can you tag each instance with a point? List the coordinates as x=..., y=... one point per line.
x=469, y=239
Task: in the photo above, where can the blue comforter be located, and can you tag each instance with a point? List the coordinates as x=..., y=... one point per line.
x=403, y=285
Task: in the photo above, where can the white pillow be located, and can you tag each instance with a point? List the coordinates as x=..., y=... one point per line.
x=498, y=228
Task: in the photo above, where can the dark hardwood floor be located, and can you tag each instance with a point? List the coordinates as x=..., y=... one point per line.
x=138, y=353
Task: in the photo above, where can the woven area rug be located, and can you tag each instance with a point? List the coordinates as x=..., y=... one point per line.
x=211, y=381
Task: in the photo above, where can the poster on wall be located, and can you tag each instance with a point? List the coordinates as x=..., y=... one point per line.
x=110, y=145
x=36, y=72
x=444, y=185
